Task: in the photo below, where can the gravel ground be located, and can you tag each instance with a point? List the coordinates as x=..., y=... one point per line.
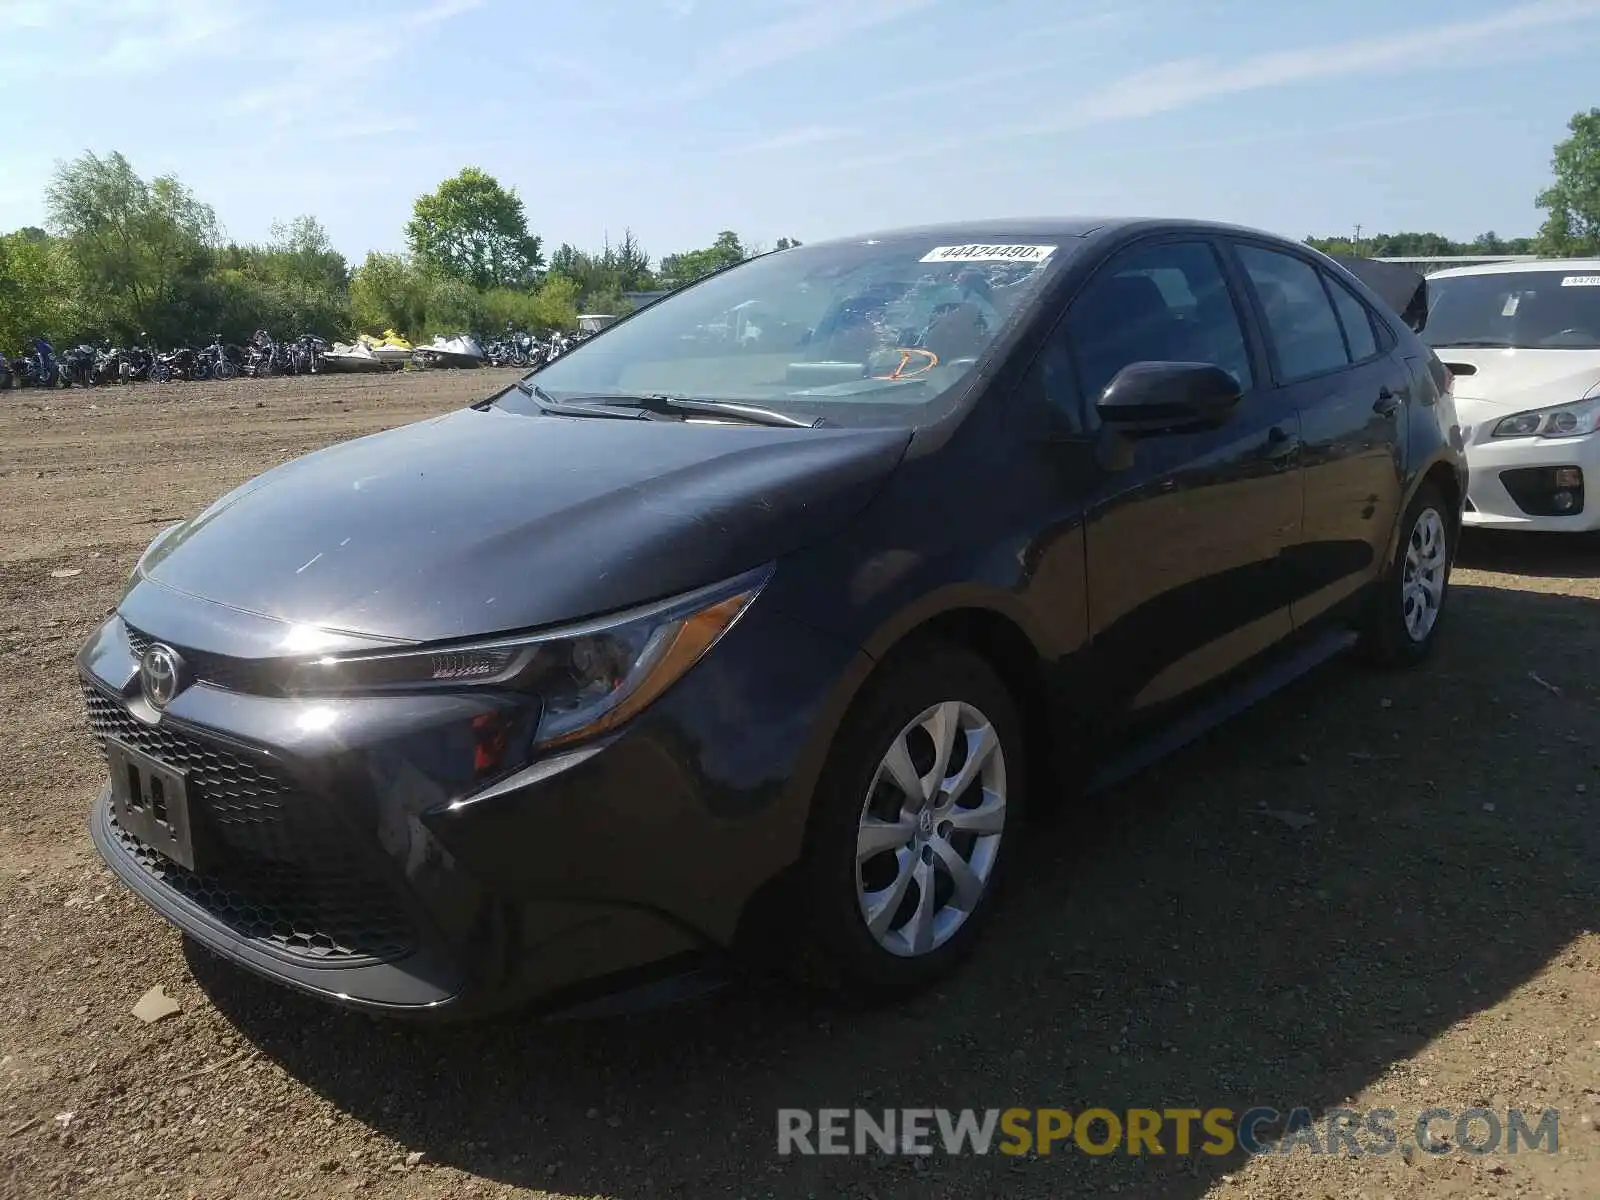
x=1427, y=939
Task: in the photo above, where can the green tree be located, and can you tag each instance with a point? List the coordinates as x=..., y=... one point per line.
x=296, y=283
x=554, y=305
x=1573, y=198
x=141, y=248
x=476, y=231
x=301, y=250
x=680, y=269
x=602, y=276
x=38, y=292
x=388, y=292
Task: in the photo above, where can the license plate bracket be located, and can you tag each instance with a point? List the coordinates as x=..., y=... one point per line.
x=151, y=801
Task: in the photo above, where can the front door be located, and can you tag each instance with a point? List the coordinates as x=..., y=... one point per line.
x=1184, y=536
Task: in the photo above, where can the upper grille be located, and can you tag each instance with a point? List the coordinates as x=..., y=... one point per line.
x=286, y=873
x=219, y=670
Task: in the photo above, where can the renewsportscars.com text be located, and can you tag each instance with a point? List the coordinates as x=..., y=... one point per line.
x=1176, y=1131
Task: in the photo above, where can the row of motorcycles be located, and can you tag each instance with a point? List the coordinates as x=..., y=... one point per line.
x=519, y=348
x=91, y=366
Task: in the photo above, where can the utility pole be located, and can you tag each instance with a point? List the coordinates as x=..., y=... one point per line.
x=1357, y=242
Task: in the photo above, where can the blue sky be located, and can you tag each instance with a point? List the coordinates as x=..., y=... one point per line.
x=807, y=118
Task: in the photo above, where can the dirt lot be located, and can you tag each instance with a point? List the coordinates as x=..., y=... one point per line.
x=1428, y=940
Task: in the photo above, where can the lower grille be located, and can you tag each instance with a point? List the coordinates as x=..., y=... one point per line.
x=286, y=875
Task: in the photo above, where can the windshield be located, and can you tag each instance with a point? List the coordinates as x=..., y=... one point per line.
x=1527, y=309
x=865, y=331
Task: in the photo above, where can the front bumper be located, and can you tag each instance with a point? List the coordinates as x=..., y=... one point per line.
x=1511, y=481
x=354, y=856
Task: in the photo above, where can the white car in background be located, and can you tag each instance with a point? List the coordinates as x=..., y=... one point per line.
x=1522, y=340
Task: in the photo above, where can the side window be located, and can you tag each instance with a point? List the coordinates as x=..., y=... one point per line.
x=1057, y=382
x=1163, y=303
x=1299, y=316
x=1356, y=319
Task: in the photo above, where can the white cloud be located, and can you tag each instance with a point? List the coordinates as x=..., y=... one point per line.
x=800, y=28
x=1184, y=83
x=1143, y=149
x=127, y=37
x=318, y=60
x=1521, y=32
x=807, y=29
x=791, y=139
x=26, y=14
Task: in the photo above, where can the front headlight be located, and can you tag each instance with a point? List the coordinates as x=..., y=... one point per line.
x=1564, y=420
x=589, y=677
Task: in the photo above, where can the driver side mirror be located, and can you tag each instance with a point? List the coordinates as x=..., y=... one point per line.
x=1167, y=397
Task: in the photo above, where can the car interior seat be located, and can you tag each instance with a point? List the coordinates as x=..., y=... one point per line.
x=1126, y=320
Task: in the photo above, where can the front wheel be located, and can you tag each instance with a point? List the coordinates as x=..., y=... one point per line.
x=224, y=369
x=1403, y=623
x=914, y=820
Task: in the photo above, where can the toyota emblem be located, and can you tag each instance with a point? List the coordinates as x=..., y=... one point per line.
x=161, y=674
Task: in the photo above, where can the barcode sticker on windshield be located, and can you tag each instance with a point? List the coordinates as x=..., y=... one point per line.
x=979, y=253
x=1510, y=309
x=1581, y=281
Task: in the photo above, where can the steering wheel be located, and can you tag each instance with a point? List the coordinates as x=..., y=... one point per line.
x=930, y=360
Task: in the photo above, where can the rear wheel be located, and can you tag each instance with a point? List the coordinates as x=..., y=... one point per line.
x=1403, y=623
x=912, y=825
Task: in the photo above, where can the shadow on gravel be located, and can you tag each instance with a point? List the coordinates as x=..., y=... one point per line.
x=1170, y=946
x=1543, y=555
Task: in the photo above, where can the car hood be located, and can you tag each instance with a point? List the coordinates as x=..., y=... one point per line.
x=1519, y=379
x=484, y=521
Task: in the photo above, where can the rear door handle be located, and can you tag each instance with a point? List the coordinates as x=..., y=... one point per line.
x=1386, y=402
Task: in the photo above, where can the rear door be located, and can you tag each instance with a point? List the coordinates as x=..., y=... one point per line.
x=1336, y=365
x=1184, y=536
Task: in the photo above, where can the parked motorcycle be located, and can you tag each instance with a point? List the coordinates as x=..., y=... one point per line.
x=214, y=362
x=37, y=368
x=137, y=360
x=178, y=364
x=303, y=356
x=107, y=364
x=77, y=367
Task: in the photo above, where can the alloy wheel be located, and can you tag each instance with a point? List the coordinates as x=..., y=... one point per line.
x=1423, y=580
x=930, y=829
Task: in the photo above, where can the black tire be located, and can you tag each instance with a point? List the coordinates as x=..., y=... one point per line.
x=1387, y=640
x=838, y=953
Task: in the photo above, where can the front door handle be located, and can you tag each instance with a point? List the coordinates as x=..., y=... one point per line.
x=1386, y=402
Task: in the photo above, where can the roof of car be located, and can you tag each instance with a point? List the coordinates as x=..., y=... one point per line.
x=1062, y=227
x=1589, y=265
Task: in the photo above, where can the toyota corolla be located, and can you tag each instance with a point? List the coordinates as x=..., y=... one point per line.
x=762, y=617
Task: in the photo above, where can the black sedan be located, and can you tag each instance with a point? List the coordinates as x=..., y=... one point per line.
x=761, y=618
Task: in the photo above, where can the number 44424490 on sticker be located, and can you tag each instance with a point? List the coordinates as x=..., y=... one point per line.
x=981, y=253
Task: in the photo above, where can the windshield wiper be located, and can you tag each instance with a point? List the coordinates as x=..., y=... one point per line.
x=548, y=403
x=668, y=404
x=1474, y=344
